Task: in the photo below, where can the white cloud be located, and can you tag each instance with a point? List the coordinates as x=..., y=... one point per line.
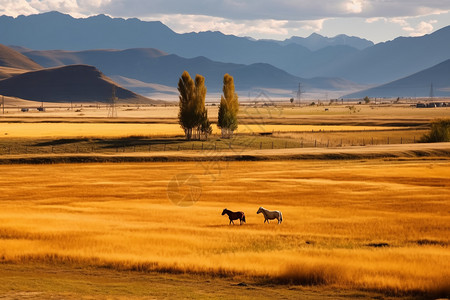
x=196, y=23
x=354, y=6
x=16, y=7
x=376, y=19
x=421, y=29
x=69, y=6
x=259, y=18
x=296, y=10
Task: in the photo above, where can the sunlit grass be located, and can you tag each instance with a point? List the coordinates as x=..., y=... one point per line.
x=336, y=214
x=71, y=130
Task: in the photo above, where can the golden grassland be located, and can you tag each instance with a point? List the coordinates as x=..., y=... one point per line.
x=279, y=111
x=70, y=130
x=349, y=225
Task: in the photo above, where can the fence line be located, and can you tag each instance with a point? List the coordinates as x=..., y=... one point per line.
x=204, y=146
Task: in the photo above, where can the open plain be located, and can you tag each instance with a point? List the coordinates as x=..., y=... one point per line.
x=357, y=221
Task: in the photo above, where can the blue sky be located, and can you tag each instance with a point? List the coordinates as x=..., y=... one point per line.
x=376, y=20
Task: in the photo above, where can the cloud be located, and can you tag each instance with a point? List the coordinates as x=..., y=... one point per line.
x=293, y=10
x=196, y=23
x=16, y=7
x=354, y=6
x=257, y=18
x=421, y=29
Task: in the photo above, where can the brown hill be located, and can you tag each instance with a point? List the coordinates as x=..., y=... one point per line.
x=76, y=83
x=13, y=59
x=6, y=72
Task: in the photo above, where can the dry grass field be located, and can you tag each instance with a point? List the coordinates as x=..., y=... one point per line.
x=374, y=228
x=366, y=210
x=71, y=130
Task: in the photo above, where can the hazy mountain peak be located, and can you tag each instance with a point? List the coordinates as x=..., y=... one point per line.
x=316, y=41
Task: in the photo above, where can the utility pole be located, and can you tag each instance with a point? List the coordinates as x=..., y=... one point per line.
x=112, y=111
x=431, y=92
x=299, y=93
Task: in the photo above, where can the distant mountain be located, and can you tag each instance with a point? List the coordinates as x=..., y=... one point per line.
x=77, y=83
x=156, y=67
x=316, y=41
x=54, y=30
x=13, y=59
x=395, y=59
x=416, y=85
x=337, y=57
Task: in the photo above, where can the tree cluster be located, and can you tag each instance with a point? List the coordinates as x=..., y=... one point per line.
x=193, y=116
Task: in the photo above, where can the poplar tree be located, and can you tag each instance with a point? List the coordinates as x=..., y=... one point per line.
x=193, y=115
x=228, y=108
x=186, y=114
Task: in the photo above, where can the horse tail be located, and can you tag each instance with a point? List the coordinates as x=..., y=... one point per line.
x=243, y=218
x=281, y=217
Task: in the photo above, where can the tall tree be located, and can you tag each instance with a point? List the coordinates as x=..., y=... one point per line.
x=228, y=108
x=186, y=87
x=193, y=115
x=201, y=114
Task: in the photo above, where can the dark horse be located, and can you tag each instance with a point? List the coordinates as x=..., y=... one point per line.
x=234, y=216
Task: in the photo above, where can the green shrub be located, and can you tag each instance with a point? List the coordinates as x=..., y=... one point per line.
x=439, y=132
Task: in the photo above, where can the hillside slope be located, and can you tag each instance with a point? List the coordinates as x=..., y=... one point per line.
x=13, y=59
x=157, y=67
x=76, y=83
x=416, y=85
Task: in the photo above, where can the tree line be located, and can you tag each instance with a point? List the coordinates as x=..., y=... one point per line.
x=193, y=116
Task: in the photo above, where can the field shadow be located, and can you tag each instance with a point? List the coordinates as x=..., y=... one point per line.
x=59, y=142
x=225, y=225
x=137, y=141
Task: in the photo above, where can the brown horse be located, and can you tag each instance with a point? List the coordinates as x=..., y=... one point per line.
x=234, y=216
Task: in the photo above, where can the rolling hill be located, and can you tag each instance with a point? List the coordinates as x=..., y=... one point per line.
x=416, y=85
x=13, y=59
x=156, y=67
x=76, y=83
x=14, y=63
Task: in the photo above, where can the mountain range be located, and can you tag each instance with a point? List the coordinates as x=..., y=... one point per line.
x=148, y=57
x=157, y=67
x=316, y=41
x=342, y=56
x=434, y=81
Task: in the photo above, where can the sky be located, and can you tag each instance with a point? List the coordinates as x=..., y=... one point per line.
x=375, y=20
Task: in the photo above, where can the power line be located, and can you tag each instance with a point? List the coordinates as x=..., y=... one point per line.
x=299, y=93
x=112, y=110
